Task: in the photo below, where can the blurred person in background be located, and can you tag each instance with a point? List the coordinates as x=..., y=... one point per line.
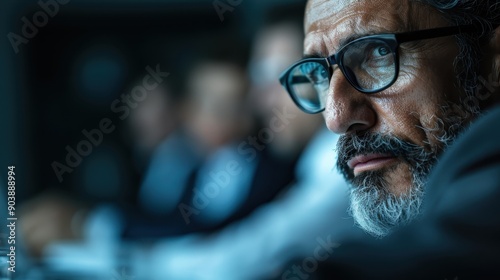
x=239, y=172
x=159, y=137
x=218, y=119
x=153, y=120
x=312, y=210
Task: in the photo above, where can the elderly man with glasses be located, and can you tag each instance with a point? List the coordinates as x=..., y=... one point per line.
x=412, y=87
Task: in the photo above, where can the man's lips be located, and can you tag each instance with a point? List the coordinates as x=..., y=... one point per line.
x=368, y=162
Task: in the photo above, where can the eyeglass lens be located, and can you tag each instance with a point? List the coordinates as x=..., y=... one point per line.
x=369, y=65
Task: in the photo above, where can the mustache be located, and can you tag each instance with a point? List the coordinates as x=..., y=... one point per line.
x=351, y=145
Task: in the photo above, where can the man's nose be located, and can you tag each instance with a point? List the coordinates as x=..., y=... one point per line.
x=347, y=110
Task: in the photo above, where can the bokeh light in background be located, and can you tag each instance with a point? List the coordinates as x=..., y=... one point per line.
x=99, y=74
x=101, y=174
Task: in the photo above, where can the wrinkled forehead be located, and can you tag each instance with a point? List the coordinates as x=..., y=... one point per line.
x=330, y=22
x=325, y=9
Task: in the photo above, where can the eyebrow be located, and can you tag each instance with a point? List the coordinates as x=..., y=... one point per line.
x=342, y=43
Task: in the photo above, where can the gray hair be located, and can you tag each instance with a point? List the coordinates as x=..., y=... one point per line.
x=485, y=14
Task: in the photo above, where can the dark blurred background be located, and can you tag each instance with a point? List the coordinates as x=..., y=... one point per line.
x=66, y=77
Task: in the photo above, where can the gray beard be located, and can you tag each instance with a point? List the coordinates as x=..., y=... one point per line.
x=377, y=211
x=374, y=208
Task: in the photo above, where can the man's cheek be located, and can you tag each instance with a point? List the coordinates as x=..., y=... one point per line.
x=402, y=122
x=407, y=77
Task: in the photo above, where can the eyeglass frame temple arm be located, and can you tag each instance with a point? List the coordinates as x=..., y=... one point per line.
x=435, y=33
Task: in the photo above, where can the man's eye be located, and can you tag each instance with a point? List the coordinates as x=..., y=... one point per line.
x=378, y=55
x=381, y=51
x=314, y=72
x=318, y=75
x=321, y=73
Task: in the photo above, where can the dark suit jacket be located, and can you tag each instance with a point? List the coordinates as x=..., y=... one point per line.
x=458, y=235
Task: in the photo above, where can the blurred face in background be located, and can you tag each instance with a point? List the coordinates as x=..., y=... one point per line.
x=275, y=48
x=153, y=120
x=216, y=113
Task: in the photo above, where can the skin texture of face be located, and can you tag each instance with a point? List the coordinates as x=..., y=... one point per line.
x=408, y=111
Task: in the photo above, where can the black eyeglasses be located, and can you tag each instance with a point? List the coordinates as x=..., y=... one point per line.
x=370, y=64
